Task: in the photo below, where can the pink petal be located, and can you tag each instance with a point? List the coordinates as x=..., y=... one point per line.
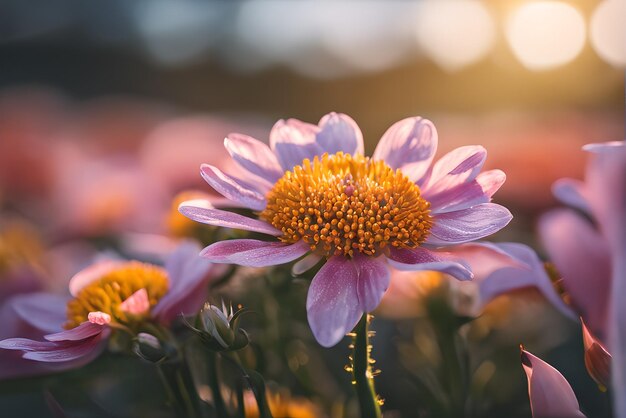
x=254, y=156
x=83, y=331
x=25, y=344
x=468, y=194
x=189, y=276
x=468, y=224
x=459, y=166
x=43, y=311
x=66, y=353
x=232, y=188
x=339, y=132
x=409, y=144
x=505, y=267
x=420, y=259
x=332, y=302
x=293, y=141
x=373, y=281
x=597, y=359
x=198, y=211
x=91, y=273
x=306, y=264
x=136, y=304
x=99, y=318
x=581, y=256
x=570, y=192
x=254, y=253
x=550, y=394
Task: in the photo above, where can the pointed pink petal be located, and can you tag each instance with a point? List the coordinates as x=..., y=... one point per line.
x=189, y=276
x=136, y=304
x=65, y=353
x=99, y=318
x=373, y=281
x=410, y=145
x=339, y=132
x=550, y=394
x=83, y=331
x=420, y=259
x=91, y=273
x=570, y=192
x=198, y=211
x=24, y=344
x=293, y=141
x=459, y=166
x=466, y=195
x=254, y=253
x=232, y=188
x=306, y=264
x=504, y=267
x=254, y=156
x=597, y=359
x=468, y=224
x=581, y=256
x=332, y=301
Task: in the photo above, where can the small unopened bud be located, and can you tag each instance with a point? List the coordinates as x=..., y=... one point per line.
x=219, y=328
x=149, y=348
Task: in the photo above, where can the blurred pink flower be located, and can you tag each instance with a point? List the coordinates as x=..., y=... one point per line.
x=161, y=295
x=319, y=195
x=589, y=252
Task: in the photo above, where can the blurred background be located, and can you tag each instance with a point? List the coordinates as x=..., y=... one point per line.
x=108, y=108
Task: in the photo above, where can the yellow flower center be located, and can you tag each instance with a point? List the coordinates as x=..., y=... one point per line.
x=107, y=293
x=341, y=203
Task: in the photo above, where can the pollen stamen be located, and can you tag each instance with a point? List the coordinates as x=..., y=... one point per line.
x=345, y=205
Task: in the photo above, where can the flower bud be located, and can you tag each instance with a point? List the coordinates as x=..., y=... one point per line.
x=219, y=328
x=149, y=348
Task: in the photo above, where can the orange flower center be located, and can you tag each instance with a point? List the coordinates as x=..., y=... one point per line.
x=340, y=204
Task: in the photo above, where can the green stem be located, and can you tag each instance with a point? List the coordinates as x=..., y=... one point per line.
x=362, y=371
x=214, y=383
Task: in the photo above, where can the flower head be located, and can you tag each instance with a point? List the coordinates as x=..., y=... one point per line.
x=106, y=296
x=315, y=191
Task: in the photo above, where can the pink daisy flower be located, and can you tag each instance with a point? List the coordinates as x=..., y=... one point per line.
x=315, y=192
x=106, y=296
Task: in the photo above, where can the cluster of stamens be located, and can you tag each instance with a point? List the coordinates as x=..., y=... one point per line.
x=107, y=293
x=343, y=204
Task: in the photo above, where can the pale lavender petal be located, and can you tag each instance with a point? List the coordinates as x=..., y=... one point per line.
x=504, y=267
x=91, y=273
x=198, y=211
x=232, y=188
x=339, y=132
x=373, y=281
x=65, y=353
x=420, y=259
x=468, y=224
x=459, y=166
x=306, y=264
x=293, y=141
x=550, y=394
x=43, y=311
x=582, y=258
x=254, y=156
x=332, y=302
x=410, y=145
x=570, y=192
x=466, y=195
x=189, y=276
x=81, y=332
x=254, y=253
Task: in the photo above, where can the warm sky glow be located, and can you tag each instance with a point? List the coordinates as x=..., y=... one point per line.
x=454, y=33
x=544, y=35
x=608, y=31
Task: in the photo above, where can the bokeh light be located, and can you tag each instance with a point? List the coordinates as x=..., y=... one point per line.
x=545, y=35
x=608, y=31
x=454, y=34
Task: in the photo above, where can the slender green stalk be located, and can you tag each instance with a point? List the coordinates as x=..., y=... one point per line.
x=214, y=383
x=362, y=371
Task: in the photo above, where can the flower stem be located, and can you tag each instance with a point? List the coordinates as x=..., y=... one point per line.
x=214, y=383
x=362, y=371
